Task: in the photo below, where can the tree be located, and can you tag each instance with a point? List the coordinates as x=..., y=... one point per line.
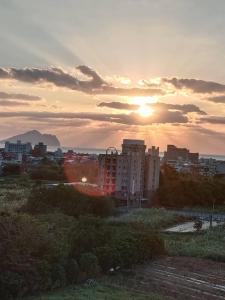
x=198, y=225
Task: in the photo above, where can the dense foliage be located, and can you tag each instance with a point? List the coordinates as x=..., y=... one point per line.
x=68, y=172
x=185, y=190
x=12, y=169
x=68, y=200
x=47, y=170
x=50, y=251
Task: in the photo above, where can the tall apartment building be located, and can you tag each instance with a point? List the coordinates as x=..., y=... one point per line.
x=18, y=148
x=152, y=171
x=107, y=171
x=128, y=175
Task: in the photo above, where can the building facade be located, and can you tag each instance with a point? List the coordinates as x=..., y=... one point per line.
x=128, y=175
x=18, y=148
x=152, y=171
x=174, y=154
x=40, y=150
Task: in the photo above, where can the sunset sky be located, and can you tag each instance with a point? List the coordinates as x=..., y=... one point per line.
x=96, y=71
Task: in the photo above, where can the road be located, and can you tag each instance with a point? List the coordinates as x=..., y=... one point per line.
x=219, y=217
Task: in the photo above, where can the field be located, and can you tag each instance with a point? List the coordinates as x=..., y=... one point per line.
x=187, y=254
x=168, y=278
x=99, y=291
x=208, y=244
x=13, y=192
x=156, y=218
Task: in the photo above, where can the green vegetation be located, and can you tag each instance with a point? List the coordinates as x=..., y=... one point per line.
x=67, y=200
x=209, y=244
x=57, y=240
x=48, y=170
x=188, y=190
x=99, y=291
x=14, y=192
x=155, y=218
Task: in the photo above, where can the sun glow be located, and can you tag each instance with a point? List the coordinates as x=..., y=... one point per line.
x=142, y=100
x=145, y=111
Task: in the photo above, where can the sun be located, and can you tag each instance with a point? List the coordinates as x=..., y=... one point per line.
x=145, y=111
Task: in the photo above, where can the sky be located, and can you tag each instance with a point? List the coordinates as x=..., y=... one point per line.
x=95, y=72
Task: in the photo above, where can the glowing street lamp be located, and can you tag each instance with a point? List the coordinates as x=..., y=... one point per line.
x=83, y=179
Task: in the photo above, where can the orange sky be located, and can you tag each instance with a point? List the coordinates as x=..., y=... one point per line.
x=151, y=70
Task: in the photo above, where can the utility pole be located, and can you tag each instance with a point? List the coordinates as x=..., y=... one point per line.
x=211, y=216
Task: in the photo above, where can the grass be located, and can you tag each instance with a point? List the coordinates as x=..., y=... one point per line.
x=14, y=192
x=209, y=244
x=156, y=218
x=96, y=292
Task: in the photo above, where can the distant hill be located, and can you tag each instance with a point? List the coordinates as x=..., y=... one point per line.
x=34, y=137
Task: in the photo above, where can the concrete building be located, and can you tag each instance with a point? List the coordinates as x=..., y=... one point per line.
x=108, y=170
x=18, y=148
x=152, y=171
x=132, y=174
x=40, y=150
x=174, y=153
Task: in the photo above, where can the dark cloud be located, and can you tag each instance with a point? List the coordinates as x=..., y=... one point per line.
x=129, y=119
x=3, y=73
x=110, y=90
x=213, y=120
x=185, y=108
x=119, y=105
x=58, y=77
x=23, y=97
x=196, y=85
x=13, y=103
x=159, y=106
x=217, y=99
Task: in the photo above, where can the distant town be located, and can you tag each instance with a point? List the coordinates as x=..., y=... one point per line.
x=131, y=174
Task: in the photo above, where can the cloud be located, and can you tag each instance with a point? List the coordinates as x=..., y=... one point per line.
x=217, y=99
x=159, y=106
x=129, y=119
x=13, y=103
x=119, y=105
x=196, y=85
x=58, y=77
x=23, y=97
x=185, y=108
x=213, y=120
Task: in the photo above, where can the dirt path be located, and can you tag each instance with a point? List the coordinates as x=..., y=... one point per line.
x=181, y=278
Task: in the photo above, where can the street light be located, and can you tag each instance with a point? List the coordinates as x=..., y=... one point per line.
x=84, y=179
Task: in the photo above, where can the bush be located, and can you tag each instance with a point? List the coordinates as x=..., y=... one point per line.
x=67, y=200
x=108, y=257
x=72, y=271
x=89, y=265
x=188, y=190
x=29, y=256
x=120, y=244
x=41, y=253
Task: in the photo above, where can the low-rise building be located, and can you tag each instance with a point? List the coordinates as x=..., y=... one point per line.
x=18, y=148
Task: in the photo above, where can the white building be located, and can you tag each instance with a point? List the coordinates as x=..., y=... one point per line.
x=18, y=148
x=132, y=174
x=152, y=171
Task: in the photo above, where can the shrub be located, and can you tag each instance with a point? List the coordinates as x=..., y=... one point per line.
x=29, y=256
x=41, y=253
x=108, y=257
x=72, y=271
x=67, y=200
x=89, y=264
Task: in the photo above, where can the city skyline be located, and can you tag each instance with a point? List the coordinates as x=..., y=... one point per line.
x=148, y=70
